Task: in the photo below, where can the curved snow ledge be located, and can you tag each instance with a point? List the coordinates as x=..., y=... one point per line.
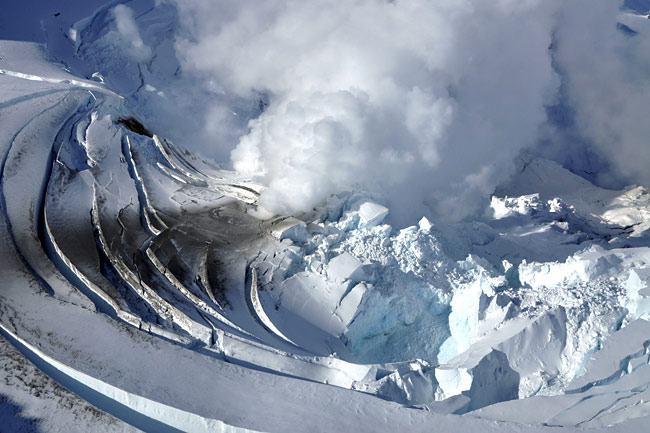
x=157, y=303
x=257, y=309
x=147, y=211
x=69, y=81
x=138, y=411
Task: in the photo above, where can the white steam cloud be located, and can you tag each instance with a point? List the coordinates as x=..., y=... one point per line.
x=608, y=83
x=128, y=35
x=424, y=102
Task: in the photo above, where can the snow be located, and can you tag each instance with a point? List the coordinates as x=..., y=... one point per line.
x=424, y=224
x=345, y=267
x=349, y=305
x=289, y=228
x=147, y=414
x=125, y=257
x=29, y=397
x=638, y=293
x=370, y=213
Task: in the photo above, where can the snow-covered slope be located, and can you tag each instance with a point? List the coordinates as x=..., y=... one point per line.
x=144, y=279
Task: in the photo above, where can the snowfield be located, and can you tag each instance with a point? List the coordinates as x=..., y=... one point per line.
x=151, y=291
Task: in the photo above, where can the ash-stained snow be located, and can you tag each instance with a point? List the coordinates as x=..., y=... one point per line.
x=29, y=398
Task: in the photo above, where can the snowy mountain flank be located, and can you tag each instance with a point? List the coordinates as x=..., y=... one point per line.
x=148, y=283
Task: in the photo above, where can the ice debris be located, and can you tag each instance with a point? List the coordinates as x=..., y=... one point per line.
x=490, y=330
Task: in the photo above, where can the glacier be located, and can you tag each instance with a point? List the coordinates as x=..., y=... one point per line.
x=148, y=282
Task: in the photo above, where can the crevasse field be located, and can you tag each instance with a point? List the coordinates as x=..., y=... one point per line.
x=318, y=216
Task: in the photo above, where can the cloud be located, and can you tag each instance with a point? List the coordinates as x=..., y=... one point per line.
x=128, y=35
x=425, y=103
x=607, y=72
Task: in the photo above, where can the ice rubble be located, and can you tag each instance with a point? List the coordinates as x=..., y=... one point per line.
x=638, y=293
x=396, y=295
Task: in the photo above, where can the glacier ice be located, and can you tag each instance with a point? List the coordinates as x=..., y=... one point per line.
x=638, y=293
